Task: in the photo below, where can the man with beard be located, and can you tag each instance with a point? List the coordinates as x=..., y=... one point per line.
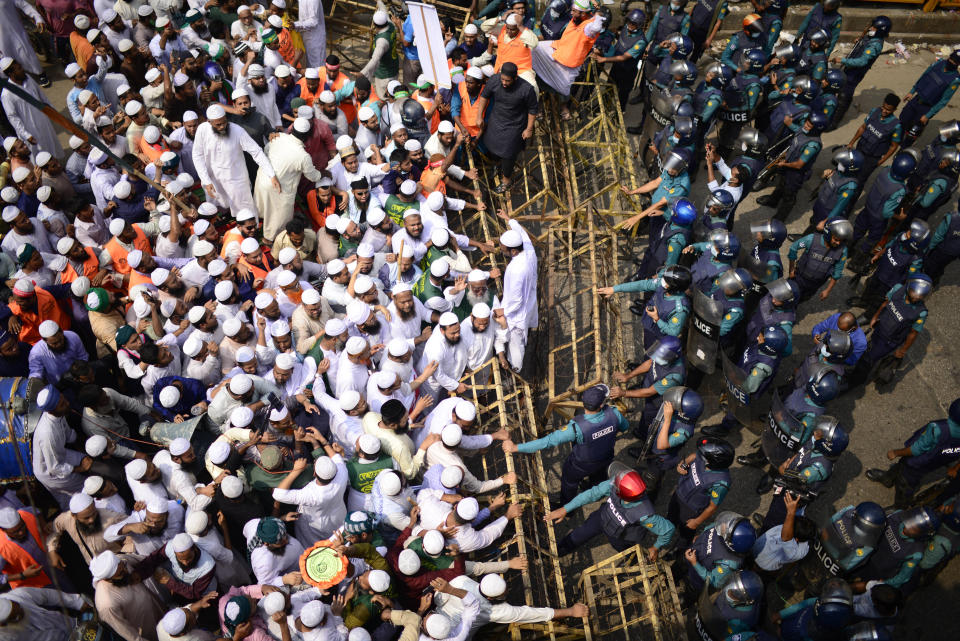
x=51, y=357
x=149, y=528
x=249, y=117
x=360, y=201
x=82, y=81
x=352, y=168
x=447, y=348
x=56, y=178
x=181, y=470
x=411, y=236
x=369, y=325
x=85, y=524
x=23, y=230
x=136, y=61
x=22, y=557
x=30, y=306
x=58, y=469
x=217, y=146
x=287, y=89
x=185, y=135
x=263, y=95
x=350, y=236
x=291, y=163
x=327, y=112
x=408, y=315
x=320, y=502
x=126, y=597
x=242, y=390
x=274, y=555
x=335, y=287
x=392, y=427
x=477, y=291
x=175, y=397
x=145, y=481
x=380, y=228
x=145, y=270
x=484, y=338
x=320, y=144
x=293, y=258
x=192, y=571
x=29, y=123
x=513, y=108
x=353, y=368
x=308, y=320
x=328, y=347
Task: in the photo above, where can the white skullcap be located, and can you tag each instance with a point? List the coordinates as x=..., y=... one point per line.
x=369, y=444
x=159, y=276
x=241, y=416
x=189, y=116
x=380, y=17
x=355, y=345
x=174, y=622
x=241, y=384
x=474, y=72
x=392, y=86
x=332, y=222
x=487, y=70
x=71, y=70
x=20, y=173
x=136, y=469
x=439, y=268
x=325, y=469
x=451, y=476
x=363, y=284
x=301, y=125
x=9, y=518
x=192, y=346
x=95, y=445
x=511, y=238
x=310, y=297
x=412, y=145
x=285, y=361
x=162, y=22
x=438, y=625
x=408, y=562
x=445, y=127
x=468, y=508
x=286, y=255
x=334, y=327
x=117, y=225
x=389, y=483
x=493, y=585
x=409, y=188
x=327, y=97
x=349, y=400
x=198, y=520
x=182, y=542
x=223, y=291
x=123, y=189
x=375, y=216
x=231, y=326
x=256, y=71
x=80, y=502
x=75, y=142
x=365, y=113
x=196, y=313
x=433, y=543
x=385, y=378
x=470, y=30
x=151, y=134
x=358, y=634
x=216, y=267
x=379, y=581
x=439, y=237
x=215, y=111
x=263, y=300
x=10, y=212
x=133, y=107
x=249, y=245
x=343, y=224
x=311, y=73
x=451, y=435
x=232, y=487
x=92, y=485
x=144, y=10
x=168, y=306
x=157, y=505
x=447, y=319
x=465, y=410
x=81, y=22
x=312, y=614
x=48, y=329
x=365, y=250
x=480, y=310
x=43, y=158
x=273, y=603
x=169, y=396
x=179, y=446
x=397, y=347
x=43, y=194
x=9, y=141
x=104, y=565
x=335, y=266
x=134, y=258
x=283, y=71
x=245, y=214
x=305, y=111
x=286, y=278
x=244, y=355
x=201, y=247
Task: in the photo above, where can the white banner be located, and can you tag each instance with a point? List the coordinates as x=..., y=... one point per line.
x=428, y=37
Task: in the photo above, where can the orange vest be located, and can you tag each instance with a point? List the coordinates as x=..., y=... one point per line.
x=468, y=111
x=517, y=53
x=17, y=558
x=153, y=151
x=318, y=216
x=427, y=106
x=91, y=265
x=137, y=278
x=287, y=51
x=259, y=270
x=232, y=234
x=431, y=180
x=306, y=94
x=47, y=309
x=348, y=107
x=119, y=254
x=574, y=45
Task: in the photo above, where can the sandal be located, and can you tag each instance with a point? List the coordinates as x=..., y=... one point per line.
x=503, y=188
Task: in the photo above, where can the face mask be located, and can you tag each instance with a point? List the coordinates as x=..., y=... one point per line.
x=841, y=167
x=663, y=283
x=872, y=33
x=823, y=351
x=674, y=7
x=713, y=251
x=661, y=361
x=743, y=147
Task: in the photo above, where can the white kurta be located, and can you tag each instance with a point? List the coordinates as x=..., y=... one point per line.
x=289, y=161
x=14, y=41
x=42, y=619
x=217, y=160
x=452, y=361
x=53, y=463
x=28, y=121
x=314, y=31
x=321, y=507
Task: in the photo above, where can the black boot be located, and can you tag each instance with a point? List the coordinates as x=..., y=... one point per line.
x=765, y=484
x=883, y=477
x=754, y=459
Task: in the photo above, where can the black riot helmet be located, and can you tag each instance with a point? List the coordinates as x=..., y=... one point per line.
x=716, y=453
x=743, y=589
x=677, y=278
x=882, y=26
x=753, y=142
x=836, y=346
x=687, y=403
x=412, y=114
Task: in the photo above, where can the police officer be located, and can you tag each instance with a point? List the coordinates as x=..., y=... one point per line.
x=796, y=165
x=858, y=62
x=899, y=548
x=680, y=134
x=930, y=157
x=763, y=260
x=593, y=435
x=624, y=53
x=757, y=365
x=845, y=544
x=782, y=70
x=944, y=545
x=676, y=48
x=937, y=188
x=838, y=191
x=728, y=302
x=812, y=60
x=719, y=551
x=772, y=19
x=717, y=255
x=824, y=15
x=626, y=517
x=663, y=369
x=680, y=410
x=933, y=446
x=878, y=137
x=823, y=259
x=555, y=19
x=871, y=630
x=669, y=235
x=708, y=96
x=752, y=147
x=789, y=114
x=414, y=119
x=672, y=184
x=749, y=37
x=929, y=94
x=740, y=99
x=819, y=618
x=896, y=326
x=733, y=610
x=703, y=485
x=829, y=98
x=666, y=314
x=670, y=18
x=778, y=307
x=944, y=248
x=831, y=349
x=901, y=258
x=717, y=213
x=882, y=202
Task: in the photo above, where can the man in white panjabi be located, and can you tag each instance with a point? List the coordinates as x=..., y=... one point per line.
x=519, y=291
x=313, y=28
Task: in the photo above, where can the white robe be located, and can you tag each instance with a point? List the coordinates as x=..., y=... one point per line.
x=42, y=619
x=14, y=41
x=555, y=74
x=28, y=121
x=53, y=463
x=452, y=360
x=218, y=161
x=289, y=162
x=321, y=507
x=314, y=31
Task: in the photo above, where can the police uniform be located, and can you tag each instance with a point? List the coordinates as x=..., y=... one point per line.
x=897, y=555
x=706, y=103
x=672, y=309
x=836, y=194
x=819, y=262
x=768, y=314
x=624, y=73
x=624, y=523
x=893, y=325
x=839, y=549
x=716, y=562
x=944, y=248
x=855, y=67
x=593, y=436
x=660, y=378
x=705, y=271
x=789, y=106
x=878, y=134
x=783, y=438
x=826, y=103
x=716, y=619
x=936, y=191
x=695, y=491
x=701, y=19
x=664, y=23
x=933, y=446
x=818, y=19
x=678, y=433
x=760, y=369
x=897, y=262
x=809, y=466
x=883, y=201
x=929, y=162
x=772, y=22
x=812, y=63
x=740, y=99
x=798, y=622
x=803, y=147
x=931, y=93
x=944, y=545
x=738, y=43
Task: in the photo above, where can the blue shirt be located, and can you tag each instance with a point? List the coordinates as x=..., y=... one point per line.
x=570, y=433
x=409, y=52
x=661, y=527
x=192, y=392
x=50, y=365
x=857, y=337
x=671, y=187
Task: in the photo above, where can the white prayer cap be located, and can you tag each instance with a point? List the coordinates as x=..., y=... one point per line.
x=95, y=445
x=369, y=444
x=438, y=625
x=179, y=446
x=408, y=562
x=43, y=158
x=470, y=30
x=385, y=379
x=511, y=238
x=397, y=347
x=104, y=565
x=445, y=127
x=182, y=542
x=192, y=346
x=215, y=111
x=435, y=201
x=582, y=5
x=136, y=469
x=355, y=345
x=249, y=245
x=117, y=225
x=397, y=126
x=241, y=416
x=474, y=72
x=439, y=268
x=80, y=502
x=223, y=291
x=159, y=276
x=232, y=487
x=375, y=216
x=245, y=214
x=231, y=326
x=439, y=237
x=302, y=125
x=389, y=483
x=243, y=8
x=167, y=307
x=451, y=476
x=325, y=469
x=81, y=22
x=157, y=505
x=273, y=603
x=349, y=400
x=198, y=520
x=282, y=71
x=92, y=35
x=75, y=142
x=305, y=111
x=358, y=634
x=451, y=435
x=201, y=247
x=92, y=485
x=162, y=22
x=343, y=224
x=196, y=313
x=310, y=297
x=125, y=45
x=180, y=79
x=365, y=113
x=206, y=210
x=333, y=220
x=263, y=300
x=20, y=173
x=256, y=71
x=144, y=10
x=468, y=508
x=169, y=396
x=493, y=585
x=43, y=195
x=480, y=310
x=9, y=518
x=241, y=384
x=392, y=86
x=326, y=97
x=312, y=614
x=409, y=188
x=433, y=542
x=286, y=255
x=123, y=189
x=363, y=284
x=9, y=141
x=151, y=134
x=379, y=581
x=174, y=622
x=10, y=213
x=285, y=361
x=400, y=288
x=412, y=145
x=97, y=157
x=24, y=285
x=239, y=93
x=447, y=319
x=311, y=73
x=380, y=17
x=286, y=277
x=244, y=355
x=152, y=75
x=487, y=70
x=48, y=329
x=334, y=327
x=190, y=116
x=216, y=267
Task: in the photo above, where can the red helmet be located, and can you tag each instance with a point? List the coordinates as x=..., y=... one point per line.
x=752, y=24
x=629, y=485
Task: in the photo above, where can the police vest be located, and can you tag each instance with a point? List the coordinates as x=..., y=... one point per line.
x=829, y=194
x=825, y=103
x=820, y=20
x=877, y=134
x=894, y=264
x=728, y=306
x=667, y=307
x=715, y=617
x=934, y=82
x=893, y=549
x=930, y=158
x=808, y=61
x=897, y=317
x=768, y=314
x=362, y=475
x=662, y=76
x=772, y=25
x=817, y=262
x=625, y=42
x=945, y=452
x=702, y=15
x=668, y=23
x=807, y=456
x=711, y=550
x=660, y=372
x=856, y=74
x=616, y=518
x=755, y=165
x=662, y=242
x=795, y=151
x=950, y=245
x=735, y=95
x=705, y=272
x=552, y=28
x=599, y=438
x=743, y=43
x=842, y=546
x=800, y=626
x=950, y=184
x=693, y=488
x=704, y=94
x=574, y=45
x=771, y=263
x=883, y=190
x=669, y=457
x=753, y=356
x=787, y=107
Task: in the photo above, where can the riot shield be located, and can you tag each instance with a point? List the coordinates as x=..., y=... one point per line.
x=821, y=563
x=660, y=110
x=731, y=122
x=707, y=625
x=703, y=339
x=778, y=441
x=743, y=407
x=758, y=272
